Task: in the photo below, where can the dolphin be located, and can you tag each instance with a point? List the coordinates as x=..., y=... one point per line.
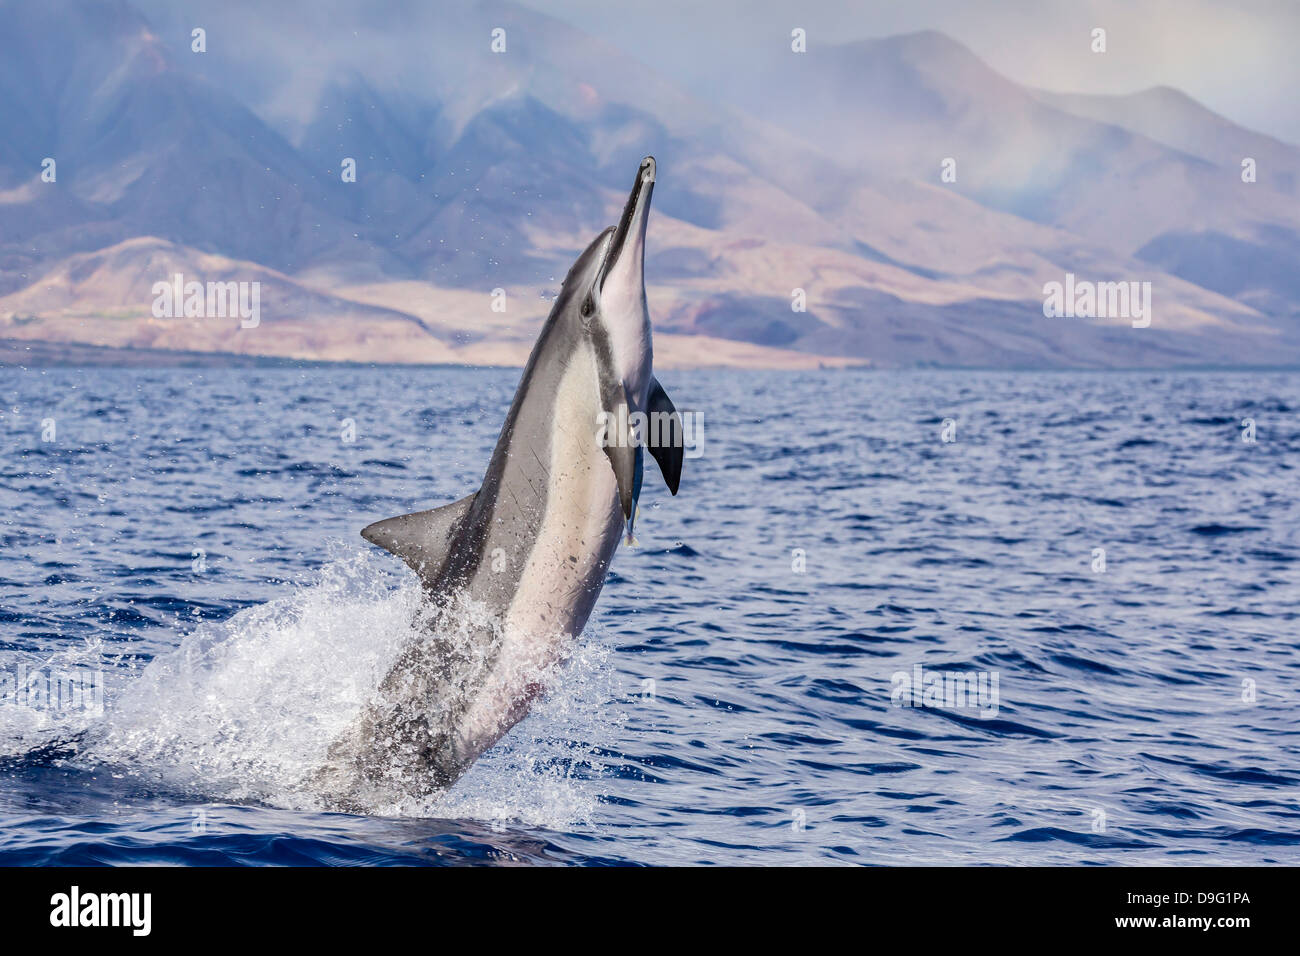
x=512, y=571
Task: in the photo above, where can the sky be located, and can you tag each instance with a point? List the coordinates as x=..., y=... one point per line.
x=1238, y=58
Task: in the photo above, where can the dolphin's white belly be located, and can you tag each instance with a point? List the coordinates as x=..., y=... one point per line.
x=558, y=586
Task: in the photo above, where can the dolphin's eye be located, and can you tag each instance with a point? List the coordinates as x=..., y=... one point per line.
x=588, y=305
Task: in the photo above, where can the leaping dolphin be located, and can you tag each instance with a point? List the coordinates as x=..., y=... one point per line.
x=513, y=571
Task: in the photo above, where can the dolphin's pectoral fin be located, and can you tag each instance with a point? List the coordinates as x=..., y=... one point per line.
x=667, y=436
x=421, y=539
x=625, y=461
x=621, y=446
x=629, y=540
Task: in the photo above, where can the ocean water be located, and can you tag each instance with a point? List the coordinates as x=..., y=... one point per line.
x=1099, y=571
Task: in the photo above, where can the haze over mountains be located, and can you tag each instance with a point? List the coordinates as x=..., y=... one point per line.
x=478, y=171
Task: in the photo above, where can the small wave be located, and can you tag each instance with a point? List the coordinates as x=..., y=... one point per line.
x=1217, y=530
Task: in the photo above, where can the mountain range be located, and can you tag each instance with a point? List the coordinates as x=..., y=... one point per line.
x=912, y=199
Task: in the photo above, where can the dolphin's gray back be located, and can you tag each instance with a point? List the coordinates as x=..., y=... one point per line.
x=490, y=553
x=508, y=510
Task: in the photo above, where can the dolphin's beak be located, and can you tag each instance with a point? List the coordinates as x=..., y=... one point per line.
x=626, y=256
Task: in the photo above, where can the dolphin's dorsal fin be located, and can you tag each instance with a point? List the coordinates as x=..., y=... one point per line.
x=421, y=539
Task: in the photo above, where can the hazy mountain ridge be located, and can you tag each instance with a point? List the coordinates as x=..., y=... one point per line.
x=478, y=171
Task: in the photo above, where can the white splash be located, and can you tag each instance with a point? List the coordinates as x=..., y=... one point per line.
x=245, y=710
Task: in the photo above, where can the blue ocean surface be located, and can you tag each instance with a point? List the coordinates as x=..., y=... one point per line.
x=1066, y=636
